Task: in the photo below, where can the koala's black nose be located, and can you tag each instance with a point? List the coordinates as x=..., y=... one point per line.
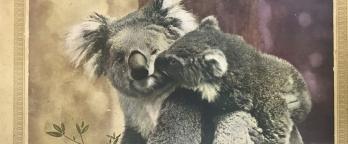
x=139, y=73
x=138, y=65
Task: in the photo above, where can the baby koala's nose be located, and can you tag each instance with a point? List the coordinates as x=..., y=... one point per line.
x=138, y=65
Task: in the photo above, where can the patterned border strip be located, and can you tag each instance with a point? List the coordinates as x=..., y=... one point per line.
x=19, y=72
x=341, y=71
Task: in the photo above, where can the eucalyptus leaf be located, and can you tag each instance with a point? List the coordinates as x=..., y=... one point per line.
x=63, y=127
x=78, y=128
x=118, y=137
x=55, y=134
x=56, y=127
x=85, y=129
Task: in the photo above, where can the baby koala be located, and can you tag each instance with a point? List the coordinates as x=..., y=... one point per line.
x=232, y=75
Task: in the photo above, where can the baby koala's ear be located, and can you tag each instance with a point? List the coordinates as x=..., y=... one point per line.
x=216, y=62
x=210, y=21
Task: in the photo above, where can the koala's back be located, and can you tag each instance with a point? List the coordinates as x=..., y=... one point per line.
x=259, y=80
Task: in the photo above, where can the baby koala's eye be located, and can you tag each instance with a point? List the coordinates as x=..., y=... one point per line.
x=173, y=61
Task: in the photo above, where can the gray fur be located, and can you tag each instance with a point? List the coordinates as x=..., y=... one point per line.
x=102, y=46
x=268, y=87
x=180, y=121
x=242, y=126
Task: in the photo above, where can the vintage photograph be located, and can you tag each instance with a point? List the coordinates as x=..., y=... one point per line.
x=181, y=72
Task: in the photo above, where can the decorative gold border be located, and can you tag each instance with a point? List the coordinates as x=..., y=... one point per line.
x=20, y=73
x=341, y=71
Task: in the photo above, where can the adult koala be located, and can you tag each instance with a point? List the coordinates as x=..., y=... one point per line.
x=124, y=51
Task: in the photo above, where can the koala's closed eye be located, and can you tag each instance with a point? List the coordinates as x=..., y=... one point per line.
x=119, y=57
x=173, y=61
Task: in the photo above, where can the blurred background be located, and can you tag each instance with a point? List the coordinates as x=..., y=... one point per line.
x=57, y=91
x=296, y=30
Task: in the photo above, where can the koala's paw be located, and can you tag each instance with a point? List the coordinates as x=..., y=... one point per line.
x=256, y=135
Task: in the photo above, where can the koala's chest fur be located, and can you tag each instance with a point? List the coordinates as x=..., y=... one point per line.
x=142, y=114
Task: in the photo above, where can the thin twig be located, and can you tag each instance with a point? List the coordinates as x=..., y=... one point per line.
x=81, y=138
x=72, y=139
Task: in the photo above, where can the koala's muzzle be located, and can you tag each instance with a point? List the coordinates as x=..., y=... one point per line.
x=138, y=65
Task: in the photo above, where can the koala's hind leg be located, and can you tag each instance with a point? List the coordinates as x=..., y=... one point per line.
x=274, y=118
x=297, y=97
x=299, y=105
x=296, y=137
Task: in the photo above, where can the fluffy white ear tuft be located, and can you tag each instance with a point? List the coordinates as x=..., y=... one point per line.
x=170, y=3
x=85, y=44
x=210, y=21
x=216, y=61
x=174, y=9
x=77, y=46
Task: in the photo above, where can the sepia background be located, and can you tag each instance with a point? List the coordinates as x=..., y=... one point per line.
x=57, y=92
x=298, y=31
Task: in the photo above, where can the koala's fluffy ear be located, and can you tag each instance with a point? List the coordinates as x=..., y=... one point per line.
x=210, y=21
x=184, y=21
x=216, y=62
x=86, y=45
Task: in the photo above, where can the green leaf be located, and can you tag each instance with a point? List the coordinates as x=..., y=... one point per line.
x=78, y=128
x=55, y=134
x=85, y=129
x=57, y=128
x=83, y=124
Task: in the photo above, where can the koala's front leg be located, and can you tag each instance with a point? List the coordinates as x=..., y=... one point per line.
x=296, y=137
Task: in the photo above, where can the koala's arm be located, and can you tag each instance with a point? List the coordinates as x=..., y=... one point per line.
x=237, y=127
x=179, y=121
